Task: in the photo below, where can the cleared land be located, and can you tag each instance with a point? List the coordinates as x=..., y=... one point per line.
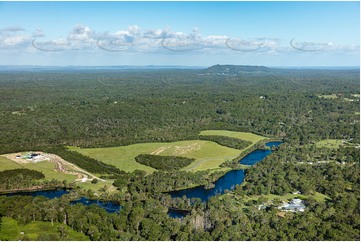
x=207, y=154
x=55, y=168
x=355, y=97
x=60, y=165
x=237, y=203
x=331, y=96
x=45, y=167
x=239, y=135
x=10, y=230
x=6, y=164
x=330, y=143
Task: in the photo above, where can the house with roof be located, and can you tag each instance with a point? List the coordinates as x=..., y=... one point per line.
x=296, y=205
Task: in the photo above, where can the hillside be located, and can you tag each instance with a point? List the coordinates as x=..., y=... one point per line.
x=236, y=69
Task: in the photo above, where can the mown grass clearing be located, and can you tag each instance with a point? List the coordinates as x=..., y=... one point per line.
x=330, y=96
x=239, y=135
x=208, y=155
x=6, y=164
x=330, y=143
x=10, y=230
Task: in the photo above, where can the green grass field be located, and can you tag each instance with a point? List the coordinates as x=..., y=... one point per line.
x=6, y=164
x=207, y=154
x=239, y=135
x=10, y=230
x=45, y=167
x=329, y=143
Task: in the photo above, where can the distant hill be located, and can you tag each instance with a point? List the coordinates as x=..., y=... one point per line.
x=230, y=70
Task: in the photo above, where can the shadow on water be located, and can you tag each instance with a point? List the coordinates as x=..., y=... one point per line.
x=110, y=207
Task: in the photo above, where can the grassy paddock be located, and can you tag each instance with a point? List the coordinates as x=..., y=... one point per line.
x=331, y=96
x=239, y=135
x=10, y=230
x=208, y=155
x=6, y=164
x=329, y=143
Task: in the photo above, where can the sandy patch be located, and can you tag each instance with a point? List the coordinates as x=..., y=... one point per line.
x=61, y=165
x=183, y=149
x=159, y=150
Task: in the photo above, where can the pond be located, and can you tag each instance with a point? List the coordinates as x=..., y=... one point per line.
x=110, y=207
x=226, y=182
x=258, y=155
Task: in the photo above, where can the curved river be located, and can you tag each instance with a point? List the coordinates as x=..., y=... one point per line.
x=229, y=180
x=226, y=182
x=108, y=206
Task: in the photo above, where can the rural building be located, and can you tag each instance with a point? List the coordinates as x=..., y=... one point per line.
x=296, y=205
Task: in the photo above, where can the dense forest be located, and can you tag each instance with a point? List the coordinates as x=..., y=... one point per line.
x=109, y=108
x=49, y=110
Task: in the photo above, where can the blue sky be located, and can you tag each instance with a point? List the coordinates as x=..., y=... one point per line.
x=180, y=33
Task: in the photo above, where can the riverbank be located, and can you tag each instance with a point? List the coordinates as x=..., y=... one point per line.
x=34, y=189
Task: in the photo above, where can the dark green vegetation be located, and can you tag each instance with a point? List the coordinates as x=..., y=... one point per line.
x=166, y=163
x=19, y=178
x=227, y=141
x=99, y=108
x=111, y=108
x=162, y=181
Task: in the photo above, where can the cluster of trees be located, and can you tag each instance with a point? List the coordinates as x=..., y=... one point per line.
x=313, y=153
x=19, y=178
x=166, y=163
x=272, y=176
x=227, y=141
x=164, y=181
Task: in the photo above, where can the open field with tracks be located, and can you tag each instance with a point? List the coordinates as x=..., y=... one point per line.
x=207, y=154
x=333, y=143
x=54, y=167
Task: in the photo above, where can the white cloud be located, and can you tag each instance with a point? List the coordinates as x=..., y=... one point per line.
x=162, y=40
x=81, y=33
x=14, y=37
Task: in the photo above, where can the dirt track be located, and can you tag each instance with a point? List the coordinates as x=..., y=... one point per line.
x=60, y=165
